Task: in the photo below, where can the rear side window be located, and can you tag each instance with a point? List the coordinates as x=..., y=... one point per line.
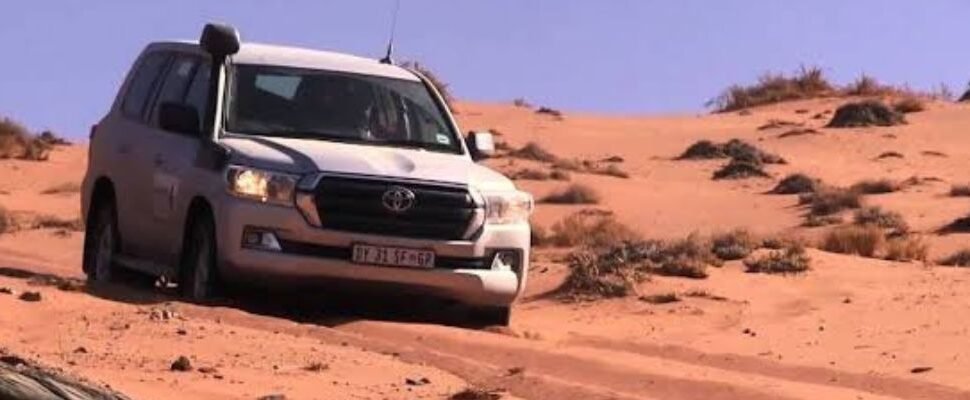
x=177, y=81
x=198, y=95
x=142, y=85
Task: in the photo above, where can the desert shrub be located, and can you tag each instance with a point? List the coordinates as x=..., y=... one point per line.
x=774, y=88
x=473, y=393
x=799, y=132
x=614, y=171
x=559, y=175
x=909, y=104
x=831, y=200
x=613, y=159
x=796, y=184
x=815, y=221
x=864, y=241
x=531, y=174
x=520, y=102
x=866, y=85
x=876, y=216
x=606, y=272
x=568, y=164
x=583, y=229
x=662, y=298
x=52, y=222
x=960, y=258
x=779, y=123
x=876, y=186
x=549, y=111
x=534, y=151
x=907, y=248
x=962, y=190
x=52, y=139
x=790, y=260
x=733, y=245
x=965, y=97
x=436, y=81
x=741, y=169
x=574, y=194
x=782, y=241
x=17, y=142
x=865, y=113
x=64, y=188
x=735, y=149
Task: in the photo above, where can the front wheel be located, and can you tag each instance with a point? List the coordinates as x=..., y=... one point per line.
x=197, y=280
x=101, y=244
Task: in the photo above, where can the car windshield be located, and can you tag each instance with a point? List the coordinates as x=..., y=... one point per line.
x=328, y=105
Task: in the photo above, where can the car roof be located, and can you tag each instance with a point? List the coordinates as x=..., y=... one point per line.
x=296, y=57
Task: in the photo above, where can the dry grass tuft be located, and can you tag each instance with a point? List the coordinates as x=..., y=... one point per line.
x=735, y=149
x=797, y=183
x=907, y=248
x=741, y=169
x=574, y=194
x=64, y=188
x=831, y=200
x=6, y=221
x=865, y=113
x=960, y=258
x=534, y=151
x=477, y=394
x=909, y=104
x=962, y=190
x=876, y=216
x=550, y=111
x=876, y=186
x=864, y=241
x=790, y=260
x=559, y=175
x=530, y=174
x=584, y=229
x=815, y=221
x=52, y=222
x=773, y=88
x=733, y=245
x=799, y=132
x=603, y=273
x=17, y=142
x=522, y=103
x=662, y=298
x=779, y=123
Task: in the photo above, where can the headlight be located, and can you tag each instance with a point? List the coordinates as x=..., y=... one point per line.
x=261, y=185
x=508, y=207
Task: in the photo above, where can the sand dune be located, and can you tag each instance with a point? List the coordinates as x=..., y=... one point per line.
x=850, y=328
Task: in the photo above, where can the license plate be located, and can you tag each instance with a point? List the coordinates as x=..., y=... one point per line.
x=392, y=256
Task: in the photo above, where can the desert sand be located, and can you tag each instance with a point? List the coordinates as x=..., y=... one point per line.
x=850, y=328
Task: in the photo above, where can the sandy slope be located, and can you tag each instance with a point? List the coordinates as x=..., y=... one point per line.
x=851, y=328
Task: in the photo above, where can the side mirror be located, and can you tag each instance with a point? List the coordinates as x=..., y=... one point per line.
x=179, y=118
x=481, y=145
x=219, y=40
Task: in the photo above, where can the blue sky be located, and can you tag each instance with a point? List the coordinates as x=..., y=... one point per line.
x=63, y=60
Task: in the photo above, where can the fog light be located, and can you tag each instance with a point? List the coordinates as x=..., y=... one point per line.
x=506, y=260
x=260, y=239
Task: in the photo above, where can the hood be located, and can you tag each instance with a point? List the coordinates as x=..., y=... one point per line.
x=304, y=156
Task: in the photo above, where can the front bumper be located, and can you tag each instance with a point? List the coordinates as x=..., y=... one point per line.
x=463, y=269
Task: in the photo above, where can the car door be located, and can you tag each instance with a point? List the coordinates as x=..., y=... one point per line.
x=130, y=144
x=173, y=155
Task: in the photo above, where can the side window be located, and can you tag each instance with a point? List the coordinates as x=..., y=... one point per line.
x=198, y=95
x=177, y=81
x=142, y=84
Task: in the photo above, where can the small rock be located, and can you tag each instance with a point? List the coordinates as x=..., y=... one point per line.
x=182, y=332
x=218, y=376
x=920, y=370
x=81, y=350
x=847, y=301
x=30, y=297
x=208, y=370
x=182, y=364
x=417, y=382
x=6, y=290
x=516, y=370
x=272, y=397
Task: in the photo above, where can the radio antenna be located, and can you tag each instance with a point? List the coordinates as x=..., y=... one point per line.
x=390, y=42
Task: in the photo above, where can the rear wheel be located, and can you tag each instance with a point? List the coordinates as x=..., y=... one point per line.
x=198, y=271
x=101, y=244
x=491, y=316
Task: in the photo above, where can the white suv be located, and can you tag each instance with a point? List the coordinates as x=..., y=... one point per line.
x=221, y=161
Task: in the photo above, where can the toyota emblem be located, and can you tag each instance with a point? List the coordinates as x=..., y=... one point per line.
x=398, y=199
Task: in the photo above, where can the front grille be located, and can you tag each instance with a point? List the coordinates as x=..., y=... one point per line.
x=357, y=205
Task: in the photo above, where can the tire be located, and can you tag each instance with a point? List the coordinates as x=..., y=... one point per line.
x=101, y=244
x=198, y=272
x=492, y=316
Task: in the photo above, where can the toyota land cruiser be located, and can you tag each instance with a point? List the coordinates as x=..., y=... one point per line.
x=223, y=161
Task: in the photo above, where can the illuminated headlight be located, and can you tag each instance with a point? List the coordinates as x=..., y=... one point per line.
x=261, y=185
x=508, y=207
